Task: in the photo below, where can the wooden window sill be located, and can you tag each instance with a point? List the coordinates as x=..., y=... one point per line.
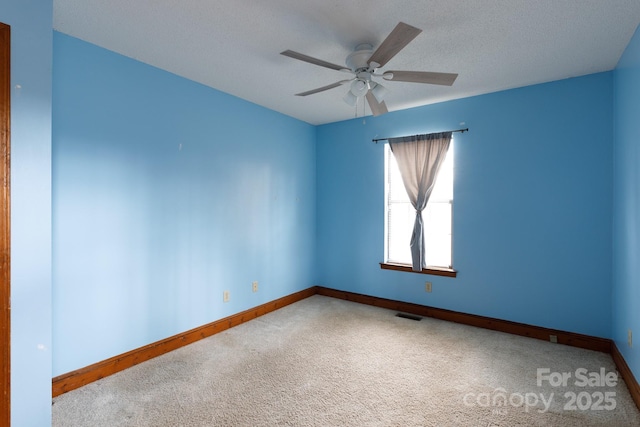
x=435, y=271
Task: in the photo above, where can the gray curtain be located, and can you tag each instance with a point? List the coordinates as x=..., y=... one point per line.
x=419, y=159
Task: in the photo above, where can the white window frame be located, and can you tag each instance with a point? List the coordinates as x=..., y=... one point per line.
x=435, y=199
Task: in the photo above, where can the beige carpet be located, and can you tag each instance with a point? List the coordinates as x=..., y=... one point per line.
x=328, y=362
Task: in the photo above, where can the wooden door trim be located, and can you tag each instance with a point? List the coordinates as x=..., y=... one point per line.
x=5, y=224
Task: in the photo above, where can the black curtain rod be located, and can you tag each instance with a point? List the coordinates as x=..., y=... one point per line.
x=452, y=131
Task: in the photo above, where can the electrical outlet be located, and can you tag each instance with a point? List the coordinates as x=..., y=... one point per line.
x=427, y=286
x=254, y=286
x=553, y=338
x=630, y=338
x=225, y=296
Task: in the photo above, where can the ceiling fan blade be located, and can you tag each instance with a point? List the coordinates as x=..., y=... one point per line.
x=323, y=88
x=377, y=108
x=401, y=35
x=311, y=60
x=445, y=79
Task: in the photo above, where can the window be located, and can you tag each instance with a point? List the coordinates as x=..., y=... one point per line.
x=400, y=216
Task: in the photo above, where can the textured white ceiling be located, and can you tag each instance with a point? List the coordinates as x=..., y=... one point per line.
x=235, y=45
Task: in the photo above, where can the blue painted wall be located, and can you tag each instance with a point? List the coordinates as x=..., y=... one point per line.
x=165, y=194
x=532, y=210
x=626, y=237
x=30, y=22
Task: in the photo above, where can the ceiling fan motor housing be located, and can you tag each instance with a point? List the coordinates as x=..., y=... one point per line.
x=358, y=59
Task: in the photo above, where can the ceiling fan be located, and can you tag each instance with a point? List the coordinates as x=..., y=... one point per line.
x=363, y=63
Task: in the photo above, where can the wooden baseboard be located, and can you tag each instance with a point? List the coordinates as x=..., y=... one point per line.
x=86, y=375
x=75, y=379
x=568, y=338
x=626, y=374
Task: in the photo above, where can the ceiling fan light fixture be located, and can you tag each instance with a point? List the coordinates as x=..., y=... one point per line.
x=359, y=88
x=379, y=92
x=350, y=98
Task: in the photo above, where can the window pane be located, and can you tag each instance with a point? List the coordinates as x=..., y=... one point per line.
x=437, y=236
x=401, y=217
x=396, y=191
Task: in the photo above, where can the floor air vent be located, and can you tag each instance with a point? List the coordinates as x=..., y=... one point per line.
x=409, y=316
